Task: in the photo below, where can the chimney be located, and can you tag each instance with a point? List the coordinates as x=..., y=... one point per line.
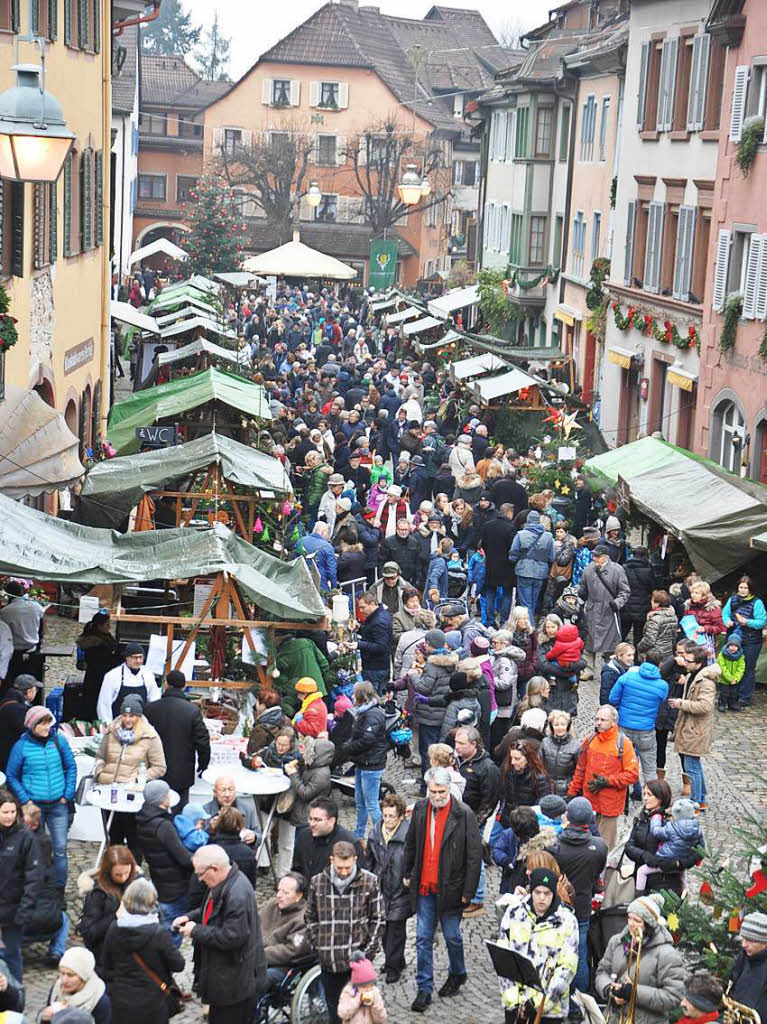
x=350, y=3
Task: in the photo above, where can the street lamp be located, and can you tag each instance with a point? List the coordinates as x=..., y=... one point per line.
x=314, y=195
x=410, y=188
x=34, y=138
x=425, y=187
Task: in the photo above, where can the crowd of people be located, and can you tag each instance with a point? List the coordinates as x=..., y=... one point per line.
x=482, y=606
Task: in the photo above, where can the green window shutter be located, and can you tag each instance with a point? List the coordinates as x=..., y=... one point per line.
x=39, y=209
x=53, y=225
x=67, y=241
x=68, y=21
x=99, y=190
x=3, y=240
x=88, y=222
x=17, y=229
x=97, y=26
x=81, y=189
x=53, y=19
x=83, y=40
x=96, y=413
x=15, y=15
x=34, y=17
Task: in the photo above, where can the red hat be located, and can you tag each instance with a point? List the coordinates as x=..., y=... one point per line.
x=363, y=972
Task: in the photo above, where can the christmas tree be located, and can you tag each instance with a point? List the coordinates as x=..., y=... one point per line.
x=215, y=235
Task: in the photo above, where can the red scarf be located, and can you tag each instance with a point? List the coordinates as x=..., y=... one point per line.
x=703, y=1019
x=430, y=866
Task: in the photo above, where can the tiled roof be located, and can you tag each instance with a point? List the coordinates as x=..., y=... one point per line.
x=124, y=80
x=344, y=241
x=164, y=79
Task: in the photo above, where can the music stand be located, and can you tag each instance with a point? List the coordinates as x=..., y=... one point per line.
x=514, y=966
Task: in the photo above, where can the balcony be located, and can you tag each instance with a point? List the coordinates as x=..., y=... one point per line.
x=532, y=299
x=173, y=143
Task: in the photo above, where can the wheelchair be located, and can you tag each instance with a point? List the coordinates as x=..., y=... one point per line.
x=298, y=999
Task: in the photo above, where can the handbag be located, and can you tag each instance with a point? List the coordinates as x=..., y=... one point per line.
x=169, y=989
x=620, y=886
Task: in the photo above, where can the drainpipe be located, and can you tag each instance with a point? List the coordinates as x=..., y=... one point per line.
x=119, y=27
x=106, y=192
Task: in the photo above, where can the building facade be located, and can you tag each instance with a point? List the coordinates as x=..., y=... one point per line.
x=124, y=153
x=731, y=414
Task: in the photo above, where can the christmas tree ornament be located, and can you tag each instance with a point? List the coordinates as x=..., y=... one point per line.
x=275, y=673
x=759, y=880
x=265, y=535
x=258, y=526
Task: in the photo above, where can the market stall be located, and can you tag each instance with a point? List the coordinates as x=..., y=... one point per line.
x=39, y=452
x=453, y=304
x=197, y=355
x=477, y=366
x=394, y=319
x=491, y=391
x=161, y=246
x=294, y=259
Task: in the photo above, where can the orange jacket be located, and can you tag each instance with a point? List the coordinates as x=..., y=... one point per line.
x=599, y=756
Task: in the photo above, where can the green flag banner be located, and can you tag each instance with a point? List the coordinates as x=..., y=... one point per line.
x=383, y=262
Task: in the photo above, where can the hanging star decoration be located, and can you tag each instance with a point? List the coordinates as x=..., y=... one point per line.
x=569, y=424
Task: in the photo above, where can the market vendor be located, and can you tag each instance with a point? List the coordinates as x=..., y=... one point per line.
x=132, y=677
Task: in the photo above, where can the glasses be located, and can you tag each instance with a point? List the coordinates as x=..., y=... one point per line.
x=203, y=873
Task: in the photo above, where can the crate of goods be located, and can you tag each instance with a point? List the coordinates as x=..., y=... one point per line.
x=55, y=702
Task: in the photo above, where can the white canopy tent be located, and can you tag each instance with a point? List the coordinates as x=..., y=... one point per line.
x=404, y=314
x=382, y=304
x=452, y=300
x=199, y=281
x=294, y=259
x=127, y=314
x=446, y=339
x=180, y=314
x=186, y=302
x=193, y=324
x=239, y=279
x=162, y=245
x=40, y=451
x=419, y=326
x=196, y=348
x=477, y=366
x=490, y=388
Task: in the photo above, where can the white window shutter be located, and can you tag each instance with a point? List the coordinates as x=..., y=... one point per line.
x=644, y=65
x=752, y=273
x=362, y=159
x=218, y=139
x=673, y=56
x=721, y=269
x=266, y=91
x=760, y=308
x=491, y=139
x=340, y=150
x=630, y=231
x=705, y=58
x=343, y=95
x=684, y=249
x=511, y=138
x=314, y=94
x=247, y=138
x=295, y=93
x=654, y=252
x=696, y=106
x=738, y=102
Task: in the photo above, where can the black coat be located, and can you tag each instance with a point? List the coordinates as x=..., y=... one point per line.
x=505, y=491
x=497, y=537
x=99, y=911
x=21, y=874
x=310, y=855
x=387, y=862
x=45, y=918
x=239, y=853
x=13, y=708
x=350, y=565
x=459, y=857
x=375, y=638
x=560, y=758
x=369, y=744
x=369, y=537
x=404, y=551
x=667, y=715
x=641, y=579
x=522, y=789
x=170, y=863
x=133, y=993
x=232, y=961
x=180, y=726
x=749, y=981
x=483, y=783
x=582, y=857
x=641, y=846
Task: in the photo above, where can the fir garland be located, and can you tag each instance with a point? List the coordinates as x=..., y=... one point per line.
x=8, y=333
x=549, y=275
x=666, y=333
x=732, y=311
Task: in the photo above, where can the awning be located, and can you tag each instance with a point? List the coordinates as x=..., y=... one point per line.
x=113, y=487
x=418, y=326
x=240, y=279
x=404, y=314
x=379, y=307
x=681, y=378
x=198, y=322
x=196, y=348
x=178, y=314
x=187, y=297
x=453, y=300
x=294, y=259
x=490, y=388
x=567, y=315
x=38, y=451
x=200, y=281
x=127, y=314
x=477, y=366
x=715, y=514
x=620, y=356
x=446, y=339
x=162, y=245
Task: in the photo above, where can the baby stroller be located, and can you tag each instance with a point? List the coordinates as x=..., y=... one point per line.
x=605, y=923
x=399, y=733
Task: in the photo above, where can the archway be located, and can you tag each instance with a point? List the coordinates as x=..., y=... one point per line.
x=45, y=391
x=70, y=415
x=174, y=232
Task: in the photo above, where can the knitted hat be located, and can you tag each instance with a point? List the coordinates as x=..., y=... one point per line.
x=133, y=704
x=650, y=905
x=155, y=792
x=404, y=457
x=682, y=809
x=453, y=639
x=480, y=645
x=36, y=715
x=579, y=811
x=72, y=1015
x=435, y=638
x=601, y=549
x=458, y=681
x=754, y=927
x=485, y=495
x=133, y=648
x=390, y=569
x=543, y=877
x=533, y=516
x=80, y=960
x=306, y=685
x=342, y=705
x=553, y=806
x=26, y=682
x=394, y=491
x=345, y=504
x=362, y=970
x=613, y=523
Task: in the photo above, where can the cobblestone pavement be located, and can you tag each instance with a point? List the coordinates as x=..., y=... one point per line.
x=736, y=772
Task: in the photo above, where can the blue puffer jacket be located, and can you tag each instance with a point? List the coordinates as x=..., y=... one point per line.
x=678, y=838
x=637, y=695
x=35, y=771
x=532, y=549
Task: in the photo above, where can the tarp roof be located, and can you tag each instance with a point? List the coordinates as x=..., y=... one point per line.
x=715, y=514
x=404, y=314
x=39, y=451
x=452, y=300
x=185, y=296
x=127, y=314
x=294, y=259
x=179, y=396
x=176, y=315
x=476, y=366
x=160, y=245
x=417, y=326
x=239, y=279
x=196, y=348
x=114, y=486
x=192, y=325
x=389, y=303
x=490, y=388
x=205, y=284
x=446, y=339
x=41, y=547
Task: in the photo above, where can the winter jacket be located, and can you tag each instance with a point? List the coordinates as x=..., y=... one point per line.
x=184, y=737
x=505, y=671
x=459, y=857
x=662, y=974
x=13, y=708
x=641, y=579
x=298, y=657
x=612, y=670
x=551, y=943
x=469, y=486
x=369, y=744
x=351, y=1009
x=120, y=763
x=582, y=857
x=312, y=855
x=313, y=780
x=374, y=640
x=239, y=853
x=605, y=593
x=404, y=551
x=637, y=695
x=386, y=861
x=434, y=683
x=436, y=575
x=21, y=874
x=98, y=913
x=265, y=728
x=134, y=996
x=337, y=923
x=521, y=789
x=483, y=783
x=324, y=559
x=232, y=964
x=753, y=610
x=463, y=701
x=694, y=728
x=351, y=563
x=497, y=537
x=532, y=552
x=312, y=718
x=283, y=932
x=42, y=771
x=708, y=615
x=749, y=981
x=243, y=805
x=169, y=861
x=599, y=756
x=369, y=537
x=407, y=644
x=676, y=838
x=560, y=756
x=641, y=847
x=732, y=669
x=461, y=461
x=567, y=647
x=659, y=634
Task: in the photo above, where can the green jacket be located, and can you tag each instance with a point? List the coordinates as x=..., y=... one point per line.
x=296, y=658
x=732, y=671
x=316, y=485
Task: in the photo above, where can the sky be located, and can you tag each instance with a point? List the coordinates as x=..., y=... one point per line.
x=255, y=25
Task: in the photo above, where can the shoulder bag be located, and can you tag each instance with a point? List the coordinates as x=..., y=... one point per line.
x=169, y=989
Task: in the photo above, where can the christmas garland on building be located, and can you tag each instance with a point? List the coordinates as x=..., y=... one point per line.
x=664, y=331
x=8, y=333
x=549, y=276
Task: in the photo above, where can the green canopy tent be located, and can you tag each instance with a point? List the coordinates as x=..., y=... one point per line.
x=113, y=487
x=197, y=355
x=172, y=400
x=715, y=514
x=204, y=301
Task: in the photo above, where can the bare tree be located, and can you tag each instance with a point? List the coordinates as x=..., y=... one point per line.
x=273, y=171
x=511, y=34
x=379, y=156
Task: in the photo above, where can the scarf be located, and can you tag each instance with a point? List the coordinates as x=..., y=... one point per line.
x=387, y=835
x=432, y=847
x=85, y=999
x=127, y=920
x=125, y=736
x=342, y=884
x=310, y=698
x=703, y=1019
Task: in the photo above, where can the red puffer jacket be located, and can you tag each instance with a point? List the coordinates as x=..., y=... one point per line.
x=708, y=615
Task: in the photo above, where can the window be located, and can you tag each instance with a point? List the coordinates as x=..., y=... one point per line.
x=715, y=88
x=729, y=433
x=185, y=184
x=564, y=132
x=86, y=200
x=232, y=141
x=556, y=252
x=685, y=249
x=329, y=95
x=588, y=121
x=649, y=86
x=596, y=228
x=579, y=244
x=326, y=150
x=71, y=218
x=43, y=16
x=327, y=211
x=281, y=92
x=515, y=247
x=654, y=247
x=153, y=124
x=458, y=105
x=9, y=15
x=499, y=126
x=82, y=24
x=152, y=187
x=465, y=172
x=543, y=129
x=189, y=127
x=12, y=228
x=537, y=239
x=45, y=225
x=522, y=132
x=738, y=261
x=603, y=128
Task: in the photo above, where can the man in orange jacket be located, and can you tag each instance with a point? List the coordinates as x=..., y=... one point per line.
x=606, y=768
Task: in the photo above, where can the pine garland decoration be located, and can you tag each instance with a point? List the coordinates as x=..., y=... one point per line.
x=667, y=332
x=8, y=333
x=215, y=236
x=732, y=311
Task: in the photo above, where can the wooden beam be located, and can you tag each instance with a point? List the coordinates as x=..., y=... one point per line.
x=178, y=620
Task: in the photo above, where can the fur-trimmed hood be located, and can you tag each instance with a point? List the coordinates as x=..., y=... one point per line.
x=472, y=666
x=543, y=839
x=86, y=881
x=448, y=660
